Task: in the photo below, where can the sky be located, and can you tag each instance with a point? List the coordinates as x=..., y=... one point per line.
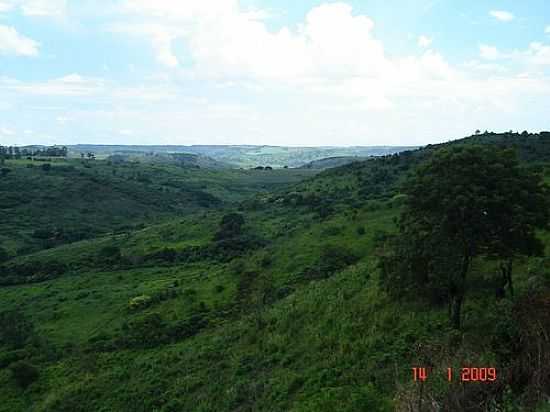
x=276, y=72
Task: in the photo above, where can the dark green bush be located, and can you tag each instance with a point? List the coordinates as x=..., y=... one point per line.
x=335, y=258
x=24, y=373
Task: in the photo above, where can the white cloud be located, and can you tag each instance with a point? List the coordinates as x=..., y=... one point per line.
x=424, y=41
x=70, y=85
x=161, y=36
x=488, y=52
x=538, y=54
x=325, y=80
x=62, y=120
x=5, y=131
x=502, y=15
x=332, y=54
x=36, y=8
x=11, y=42
x=5, y=6
x=43, y=8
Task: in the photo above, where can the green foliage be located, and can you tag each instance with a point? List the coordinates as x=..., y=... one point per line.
x=24, y=373
x=230, y=226
x=335, y=258
x=284, y=311
x=462, y=203
x=15, y=329
x=4, y=255
x=110, y=254
x=139, y=302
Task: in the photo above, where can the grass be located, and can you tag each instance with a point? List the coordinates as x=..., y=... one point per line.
x=265, y=331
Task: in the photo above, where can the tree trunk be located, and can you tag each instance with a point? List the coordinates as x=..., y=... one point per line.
x=509, y=265
x=506, y=273
x=459, y=293
x=456, y=310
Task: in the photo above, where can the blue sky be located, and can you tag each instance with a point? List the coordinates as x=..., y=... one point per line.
x=281, y=72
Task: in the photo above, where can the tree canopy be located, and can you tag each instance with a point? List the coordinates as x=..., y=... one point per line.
x=464, y=202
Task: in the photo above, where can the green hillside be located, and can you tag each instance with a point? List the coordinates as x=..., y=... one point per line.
x=50, y=201
x=250, y=291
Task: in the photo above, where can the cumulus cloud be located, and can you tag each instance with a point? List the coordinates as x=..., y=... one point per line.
x=332, y=44
x=488, y=52
x=161, y=37
x=334, y=52
x=5, y=6
x=11, y=42
x=538, y=54
x=328, y=78
x=502, y=15
x=424, y=41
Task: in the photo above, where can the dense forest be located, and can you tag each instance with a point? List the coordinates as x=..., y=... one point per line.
x=127, y=284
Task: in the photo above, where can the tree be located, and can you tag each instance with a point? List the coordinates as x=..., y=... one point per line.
x=464, y=202
x=230, y=226
x=335, y=258
x=4, y=255
x=24, y=373
x=15, y=329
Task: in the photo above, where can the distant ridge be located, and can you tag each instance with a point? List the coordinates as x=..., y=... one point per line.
x=244, y=156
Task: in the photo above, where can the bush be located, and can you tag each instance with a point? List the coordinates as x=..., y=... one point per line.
x=139, y=302
x=110, y=254
x=4, y=255
x=146, y=331
x=24, y=373
x=15, y=329
x=335, y=258
x=230, y=227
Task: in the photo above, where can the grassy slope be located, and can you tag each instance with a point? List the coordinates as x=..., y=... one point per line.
x=82, y=200
x=331, y=344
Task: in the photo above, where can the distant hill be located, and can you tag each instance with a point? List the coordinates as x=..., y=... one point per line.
x=45, y=203
x=244, y=156
x=331, y=162
x=185, y=160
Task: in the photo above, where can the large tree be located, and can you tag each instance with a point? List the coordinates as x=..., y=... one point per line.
x=464, y=202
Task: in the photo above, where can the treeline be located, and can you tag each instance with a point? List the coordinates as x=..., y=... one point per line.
x=15, y=152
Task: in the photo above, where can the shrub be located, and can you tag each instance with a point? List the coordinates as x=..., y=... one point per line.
x=146, y=331
x=335, y=258
x=24, y=373
x=110, y=253
x=15, y=329
x=4, y=255
x=139, y=302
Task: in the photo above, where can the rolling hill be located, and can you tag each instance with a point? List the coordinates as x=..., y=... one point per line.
x=269, y=301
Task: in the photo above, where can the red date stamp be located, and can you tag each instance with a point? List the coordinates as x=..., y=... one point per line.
x=469, y=374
